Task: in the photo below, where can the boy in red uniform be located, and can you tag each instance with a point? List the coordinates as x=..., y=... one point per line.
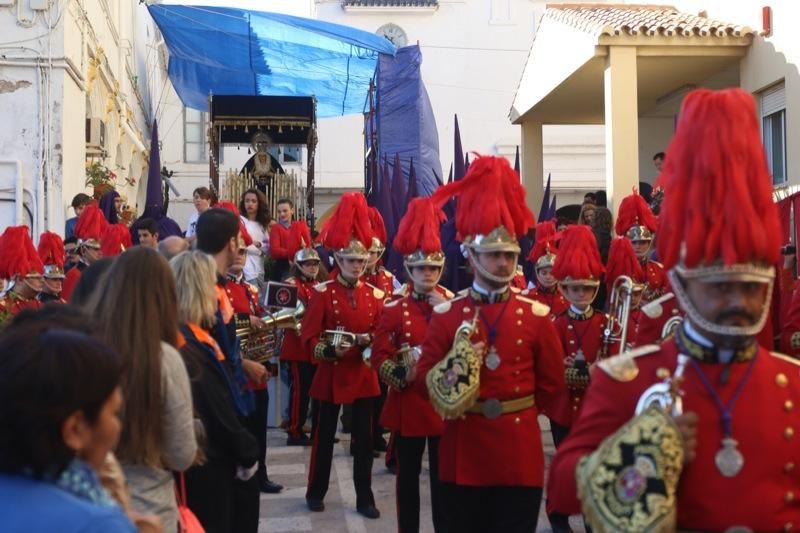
x=350, y=307
x=20, y=264
x=51, y=252
x=543, y=256
x=89, y=229
x=401, y=330
x=636, y=221
x=721, y=454
x=623, y=263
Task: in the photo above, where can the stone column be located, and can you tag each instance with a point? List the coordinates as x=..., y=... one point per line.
x=531, y=164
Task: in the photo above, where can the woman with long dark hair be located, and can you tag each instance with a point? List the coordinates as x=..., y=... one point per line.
x=253, y=210
x=135, y=310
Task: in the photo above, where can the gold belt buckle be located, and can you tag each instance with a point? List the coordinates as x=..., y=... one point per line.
x=492, y=408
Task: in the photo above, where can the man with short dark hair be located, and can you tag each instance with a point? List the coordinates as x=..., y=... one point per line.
x=147, y=229
x=658, y=161
x=79, y=201
x=71, y=254
x=279, y=239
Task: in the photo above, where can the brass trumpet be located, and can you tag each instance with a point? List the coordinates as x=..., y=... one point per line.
x=337, y=337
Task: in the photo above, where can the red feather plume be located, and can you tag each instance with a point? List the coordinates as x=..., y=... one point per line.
x=489, y=196
x=350, y=220
x=230, y=206
x=578, y=256
x=717, y=188
x=419, y=228
x=545, y=240
x=634, y=211
x=18, y=256
x=91, y=224
x=299, y=237
x=377, y=224
x=51, y=249
x=622, y=261
x=116, y=239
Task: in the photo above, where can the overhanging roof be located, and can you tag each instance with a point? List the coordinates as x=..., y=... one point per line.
x=562, y=82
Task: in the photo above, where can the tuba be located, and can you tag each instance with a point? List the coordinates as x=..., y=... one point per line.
x=619, y=311
x=260, y=346
x=454, y=382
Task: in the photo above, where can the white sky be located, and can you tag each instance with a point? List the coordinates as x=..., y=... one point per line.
x=300, y=8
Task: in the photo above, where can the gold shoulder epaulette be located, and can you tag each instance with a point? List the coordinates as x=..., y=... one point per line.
x=655, y=308
x=538, y=308
x=387, y=272
x=657, y=263
x=289, y=280
x=445, y=306
x=391, y=303
x=463, y=292
x=787, y=358
x=515, y=290
x=623, y=367
x=321, y=287
x=447, y=292
x=376, y=292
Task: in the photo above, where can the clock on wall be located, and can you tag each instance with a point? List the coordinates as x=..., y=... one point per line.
x=394, y=33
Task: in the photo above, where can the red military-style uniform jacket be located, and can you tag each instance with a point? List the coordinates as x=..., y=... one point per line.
x=506, y=450
x=407, y=411
x=656, y=280
x=244, y=301
x=356, y=309
x=766, y=420
x=12, y=304
x=551, y=298
x=519, y=281
x=577, y=331
x=71, y=280
x=292, y=348
x=654, y=319
x=383, y=279
x=279, y=242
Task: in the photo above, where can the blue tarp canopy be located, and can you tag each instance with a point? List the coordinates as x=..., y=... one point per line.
x=227, y=51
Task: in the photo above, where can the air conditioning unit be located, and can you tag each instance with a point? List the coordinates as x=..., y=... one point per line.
x=95, y=134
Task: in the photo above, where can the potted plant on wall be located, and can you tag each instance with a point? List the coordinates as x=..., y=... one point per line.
x=100, y=178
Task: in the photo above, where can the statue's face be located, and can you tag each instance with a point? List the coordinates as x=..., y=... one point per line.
x=262, y=148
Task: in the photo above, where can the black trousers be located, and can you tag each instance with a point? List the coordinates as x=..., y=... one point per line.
x=301, y=375
x=377, y=429
x=495, y=509
x=409, y=465
x=256, y=424
x=559, y=433
x=209, y=494
x=319, y=471
x=246, y=502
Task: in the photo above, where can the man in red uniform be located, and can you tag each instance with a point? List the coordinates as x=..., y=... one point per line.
x=491, y=460
x=351, y=308
x=543, y=257
x=623, y=273
x=729, y=462
x=398, y=339
x=89, y=229
x=304, y=275
x=51, y=252
x=20, y=264
x=279, y=239
x=376, y=274
x=636, y=221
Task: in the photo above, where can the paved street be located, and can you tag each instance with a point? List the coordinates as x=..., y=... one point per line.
x=287, y=512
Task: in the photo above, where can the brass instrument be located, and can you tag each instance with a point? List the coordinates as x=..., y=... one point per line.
x=665, y=394
x=408, y=355
x=346, y=339
x=454, y=382
x=261, y=345
x=619, y=311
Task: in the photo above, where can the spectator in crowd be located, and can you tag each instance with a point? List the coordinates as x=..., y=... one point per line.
x=227, y=444
x=59, y=409
x=79, y=201
x=72, y=256
x=253, y=209
x=147, y=230
x=587, y=214
x=279, y=238
x=203, y=199
x=172, y=246
x=590, y=198
x=658, y=161
x=135, y=311
x=603, y=223
x=90, y=279
x=111, y=205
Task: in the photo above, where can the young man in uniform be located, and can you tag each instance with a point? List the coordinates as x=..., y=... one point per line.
x=51, y=252
x=636, y=221
x=20, y=264
x=543, y=256
x=89, y=229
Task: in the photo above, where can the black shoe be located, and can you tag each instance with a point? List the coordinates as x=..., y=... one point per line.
x=369, y=511
x=380, y=445
x=336, y=440
x=300, y=441
x=376, y=454
x=315, y=505
x=270, y=487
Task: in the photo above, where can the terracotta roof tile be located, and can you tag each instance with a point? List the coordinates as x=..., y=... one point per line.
x=641, y=20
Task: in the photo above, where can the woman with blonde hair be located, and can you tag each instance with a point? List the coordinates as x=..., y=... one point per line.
x=135, y=311
x=229, y=449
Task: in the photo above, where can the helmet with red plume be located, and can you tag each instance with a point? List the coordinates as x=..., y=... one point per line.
x=622, y=261
x=379, y=237
x=418, y=237
x=718, y=221
x=348, y=231
x=543, y=253
x=230, y=206
x=635, y=219
x=18, y=257
x=299, y=244
x=116, y=239
x=51, y=252
x=91, y=226
x=578, y=261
